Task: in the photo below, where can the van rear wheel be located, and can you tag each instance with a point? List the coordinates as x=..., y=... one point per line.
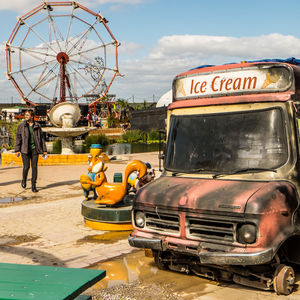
x=284, y=279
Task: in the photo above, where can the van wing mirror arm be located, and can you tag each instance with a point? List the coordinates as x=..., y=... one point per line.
x=161, y=155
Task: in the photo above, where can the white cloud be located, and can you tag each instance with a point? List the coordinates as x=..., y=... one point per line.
x=19, y=6
x=210, y=46
x=152, y=74
x=129, y=48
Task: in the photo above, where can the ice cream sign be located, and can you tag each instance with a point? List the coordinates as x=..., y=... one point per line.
x=234, y=81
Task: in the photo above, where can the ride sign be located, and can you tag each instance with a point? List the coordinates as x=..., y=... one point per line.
x=236, y=81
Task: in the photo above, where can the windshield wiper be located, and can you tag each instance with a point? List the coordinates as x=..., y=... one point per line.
x=246, y=170
x=189, y=172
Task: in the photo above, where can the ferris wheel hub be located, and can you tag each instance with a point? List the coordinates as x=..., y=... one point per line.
x=62, y=57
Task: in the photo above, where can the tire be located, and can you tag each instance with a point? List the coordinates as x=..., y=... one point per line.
x=283, y=280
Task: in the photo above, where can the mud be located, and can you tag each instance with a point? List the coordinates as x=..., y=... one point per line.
x=12, y=240
x=135, y=276
x=106, y=238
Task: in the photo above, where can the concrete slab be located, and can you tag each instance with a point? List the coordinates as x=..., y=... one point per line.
x=47, y=227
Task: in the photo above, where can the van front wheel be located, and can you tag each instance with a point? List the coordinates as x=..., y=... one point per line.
x=284, y=279
x=159, y=260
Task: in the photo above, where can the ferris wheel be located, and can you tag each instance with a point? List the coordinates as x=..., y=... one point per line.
x=61, y=51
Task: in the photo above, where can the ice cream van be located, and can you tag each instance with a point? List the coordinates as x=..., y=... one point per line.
x=227, y=204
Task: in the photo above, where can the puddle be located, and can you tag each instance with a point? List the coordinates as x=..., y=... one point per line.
x=126, y=269
x=135, y=276
x=11, y=199
x=106, y=238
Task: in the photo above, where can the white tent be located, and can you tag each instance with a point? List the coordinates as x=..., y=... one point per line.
x=165, y=99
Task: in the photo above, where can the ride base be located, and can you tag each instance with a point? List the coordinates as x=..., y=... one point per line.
x=108, y=218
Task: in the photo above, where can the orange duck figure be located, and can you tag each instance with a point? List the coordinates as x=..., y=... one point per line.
x=112, y=193
x=96, y=155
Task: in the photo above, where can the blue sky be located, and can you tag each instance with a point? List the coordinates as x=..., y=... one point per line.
x=161, y=38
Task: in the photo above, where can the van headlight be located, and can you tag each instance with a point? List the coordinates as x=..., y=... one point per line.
x=139, y=219
x=246, y=234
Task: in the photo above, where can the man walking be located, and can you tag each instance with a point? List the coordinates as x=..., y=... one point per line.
x=30, y=143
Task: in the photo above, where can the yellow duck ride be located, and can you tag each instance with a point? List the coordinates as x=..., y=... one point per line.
x=111, y=193
x=111, y=208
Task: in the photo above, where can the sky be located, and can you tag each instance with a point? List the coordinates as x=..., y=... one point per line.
x=162, y=38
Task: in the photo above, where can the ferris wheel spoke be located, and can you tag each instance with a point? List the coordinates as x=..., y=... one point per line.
x=55, y=30
x=32, y=55
x=43, y=72
x=80, y=76
x=110, y=69
x=87, y=59
x=30, y=50
x=30, y=68
x=46, y=76
x=92, y=49
x=56, y=88
x=38, y=36
x=70, y=88
x=100, y=68
x=83, y=38
x=37, y=87
x=37, y=92
x=75, y=37
x=69, y=29
x=79, y=82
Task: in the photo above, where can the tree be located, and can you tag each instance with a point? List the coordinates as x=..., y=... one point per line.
x=123, y=107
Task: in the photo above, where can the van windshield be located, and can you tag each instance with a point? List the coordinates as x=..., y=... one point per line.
x=225, y=142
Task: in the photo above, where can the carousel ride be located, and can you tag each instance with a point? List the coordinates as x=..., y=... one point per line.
x=111, y=202
x=61, y=53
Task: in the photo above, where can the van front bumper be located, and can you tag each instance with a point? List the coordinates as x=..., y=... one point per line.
x=208, y=253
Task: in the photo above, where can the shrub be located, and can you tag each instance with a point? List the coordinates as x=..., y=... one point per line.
x=134, y=136
x=112, y=122
x=11, y=128
x=153, y=135
x=57, y=146
x=101, y=139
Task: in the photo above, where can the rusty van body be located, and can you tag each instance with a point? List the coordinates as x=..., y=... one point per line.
x=227, y=204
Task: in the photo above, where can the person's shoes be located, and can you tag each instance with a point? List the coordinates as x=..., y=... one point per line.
x=23, y=184
x=33, y=188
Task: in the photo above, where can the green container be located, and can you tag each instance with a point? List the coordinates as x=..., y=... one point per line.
x=118, y=177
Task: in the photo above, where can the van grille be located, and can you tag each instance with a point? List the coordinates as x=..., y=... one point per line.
x=162, y=223
x=210, y=229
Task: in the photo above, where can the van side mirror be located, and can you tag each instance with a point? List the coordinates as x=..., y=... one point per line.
x=161, y=147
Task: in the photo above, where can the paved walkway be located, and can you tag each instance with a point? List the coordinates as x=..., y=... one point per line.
x=47, y=227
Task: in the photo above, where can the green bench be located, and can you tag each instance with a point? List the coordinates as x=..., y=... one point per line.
x=45, y=283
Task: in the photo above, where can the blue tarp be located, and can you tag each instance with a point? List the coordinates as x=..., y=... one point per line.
x=291, y=60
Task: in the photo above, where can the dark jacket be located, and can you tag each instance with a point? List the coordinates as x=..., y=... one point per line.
x=22, y=138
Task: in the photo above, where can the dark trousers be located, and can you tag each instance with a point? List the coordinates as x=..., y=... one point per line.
x=31, y=157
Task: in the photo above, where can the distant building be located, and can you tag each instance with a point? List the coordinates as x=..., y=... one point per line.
x=147, y=119
x=165, y=99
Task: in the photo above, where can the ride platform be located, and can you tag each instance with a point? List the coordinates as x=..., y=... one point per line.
x=111, y=218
